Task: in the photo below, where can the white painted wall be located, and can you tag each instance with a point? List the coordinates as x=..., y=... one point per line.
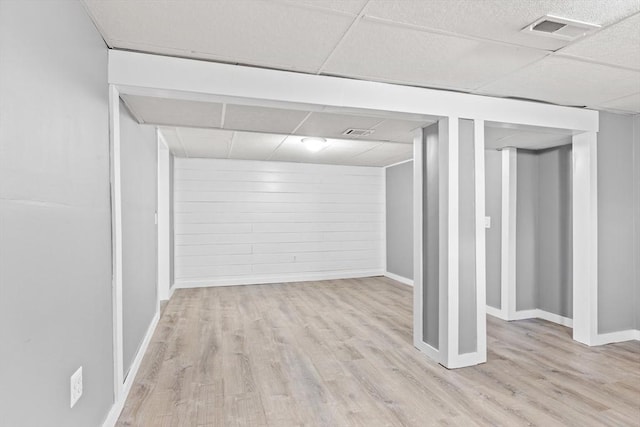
x=240, y=222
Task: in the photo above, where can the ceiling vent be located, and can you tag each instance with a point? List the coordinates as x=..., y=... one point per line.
x=358, y=132
x=560, y=28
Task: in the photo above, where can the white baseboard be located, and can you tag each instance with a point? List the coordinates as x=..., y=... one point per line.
x=619, y=336
x=116, y=409
x=172, y=289
x=399, y=278
x=284, y=278
x=496, y=312
x=530, y=314
x=432, y=352
x=555, y=318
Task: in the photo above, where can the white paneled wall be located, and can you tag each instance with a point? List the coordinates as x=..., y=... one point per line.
x=240, y=222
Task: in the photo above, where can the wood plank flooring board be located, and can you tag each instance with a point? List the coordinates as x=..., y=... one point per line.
x=339, y=353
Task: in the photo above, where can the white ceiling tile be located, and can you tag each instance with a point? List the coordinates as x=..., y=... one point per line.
x=616, y=45
x=175, y=112
x=499, y=19
x=330, y=125
x=262, y=119
x=398, y=130
x=254, y=146
x=497, y=138
x=386, y=52
x=492, y=135
x=352, y=7
x=629, y=104
x=207, y=143
x=384, y=154
x=566, y=81
x=245, y=31
x=338, y=151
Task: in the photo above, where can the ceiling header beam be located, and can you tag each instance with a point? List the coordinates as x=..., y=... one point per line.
x=164, y=76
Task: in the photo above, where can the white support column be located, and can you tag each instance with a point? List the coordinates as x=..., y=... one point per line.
x=585, y=238
x=481, y=248
x=452, y=236
x=116, y=213
x=508, y=233
x=164, y=225
x=451, y=291
x=418, y=256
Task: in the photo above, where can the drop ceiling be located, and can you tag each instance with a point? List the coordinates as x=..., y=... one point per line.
x=239, y=145
x=228, y=144
x=222, y=130
x=465, y=45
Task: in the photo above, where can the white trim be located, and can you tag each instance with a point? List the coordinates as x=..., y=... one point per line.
x=554, y=318
x=524, y=314
x=443, y=242
x=172, y=289
x=481, y=276
x=508, y=232
x=535, y=313
x=116, y=409
x=383, y=249
x=495, y=312
x=585, y=238
x=116, y=213
x=398, y=163
x=163, y=210
x=431, y=352
x=619, y=336
x=418, y=236
x=398, y=278
x=158, y=75
x=453, y=239
x=285, y=278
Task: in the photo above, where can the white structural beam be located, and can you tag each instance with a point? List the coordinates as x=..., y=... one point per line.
x=157, y=75
x=585, y=238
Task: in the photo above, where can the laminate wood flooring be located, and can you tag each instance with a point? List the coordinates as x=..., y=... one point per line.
x=339, y=353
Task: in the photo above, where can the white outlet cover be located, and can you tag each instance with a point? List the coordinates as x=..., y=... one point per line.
x=487, y=222
x=76, y=386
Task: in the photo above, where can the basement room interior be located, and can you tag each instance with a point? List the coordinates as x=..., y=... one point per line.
x=319, y=213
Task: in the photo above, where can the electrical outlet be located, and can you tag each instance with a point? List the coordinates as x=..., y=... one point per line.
x=76, y=386
x=487, y=222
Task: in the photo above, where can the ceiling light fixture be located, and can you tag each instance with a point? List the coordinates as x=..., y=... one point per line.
x=314, y=144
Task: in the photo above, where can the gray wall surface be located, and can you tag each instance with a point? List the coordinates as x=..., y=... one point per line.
x=544, y=244
x=526, y=230
x=467, y=339
x=617, y=274
x=493, y=209
x=399, y=207
x=139, y=165
x=555, y=237
x=55, y=216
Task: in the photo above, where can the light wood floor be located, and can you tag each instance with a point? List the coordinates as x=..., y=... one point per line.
x=339, y=353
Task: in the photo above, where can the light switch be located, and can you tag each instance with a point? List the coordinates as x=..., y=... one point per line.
x=487, y=222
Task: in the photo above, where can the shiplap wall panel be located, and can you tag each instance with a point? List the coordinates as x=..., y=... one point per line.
x=254, y=222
